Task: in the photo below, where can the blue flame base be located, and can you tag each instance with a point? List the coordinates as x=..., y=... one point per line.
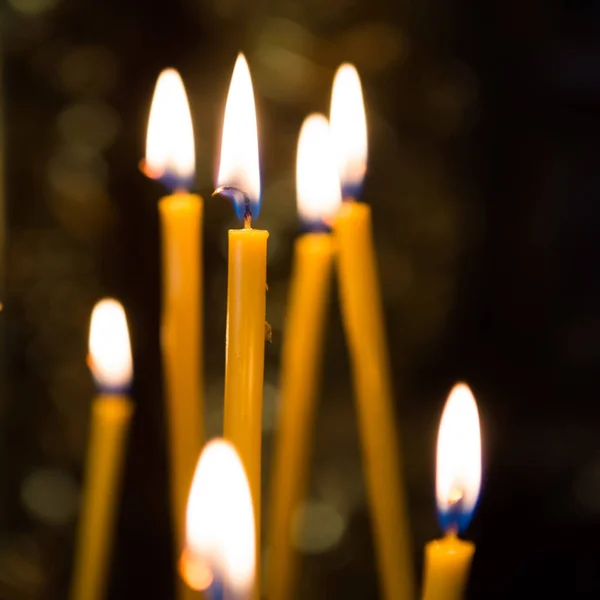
x=246, y=208
x=456, y=518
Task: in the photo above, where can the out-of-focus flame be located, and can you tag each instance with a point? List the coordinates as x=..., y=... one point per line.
x=239, y=171
x=349, y=129
x=317, y=180
x=220, y=519
x=458, y=478
x=170, y=154
x=109, y=347
x=195, y=571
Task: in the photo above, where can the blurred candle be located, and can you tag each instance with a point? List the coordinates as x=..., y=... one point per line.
x=170, y=158
x=458, y=481
x=219, y=558
x=362, y=314
x=112, y=409
x=319, y=198
x=239, y=179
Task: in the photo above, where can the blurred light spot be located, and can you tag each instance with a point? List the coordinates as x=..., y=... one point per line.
x=94, y=125
x=287, y=34
x=50, y=495
x=78, y=197
x=317, y=527
x=340, y=484
x=284, y=62
x=32, y=7
x=88, y=70
x=286, y=75
x=77, y=173
x=374, y=46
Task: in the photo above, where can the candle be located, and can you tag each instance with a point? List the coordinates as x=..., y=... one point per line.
x=110, y=363
x=458, y=481
x=319, y=197
x=220, y=552
x=170, y=158
x=362, y=314
x=239, y=179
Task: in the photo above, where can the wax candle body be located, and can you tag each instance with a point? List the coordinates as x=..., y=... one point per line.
x=301, y=362
x=447, y=565
x=245, y=355
x=363, y=322
x=111, y=416
x=181, y=334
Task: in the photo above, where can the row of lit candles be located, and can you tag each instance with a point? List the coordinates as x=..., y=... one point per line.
x=216, y=524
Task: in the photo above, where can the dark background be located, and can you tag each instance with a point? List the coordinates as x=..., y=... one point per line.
x=484, y=121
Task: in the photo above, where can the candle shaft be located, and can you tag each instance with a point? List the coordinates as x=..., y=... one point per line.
x=363, y=322
x=301, y=365
x=181, y=332
x=245, y=356
x=447, y=566
x=111, y=416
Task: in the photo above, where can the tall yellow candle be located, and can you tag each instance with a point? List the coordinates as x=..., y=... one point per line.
x=458, y=481
x=239, y=178
x=362, y=314
x=319, y=197
x=110, y=362
x=170, y=157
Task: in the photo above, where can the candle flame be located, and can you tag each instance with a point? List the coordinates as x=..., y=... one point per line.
x=239, y=171
x=170, y=154
x=220, y=519
x=109, y=347
x=317, y=179
x=458, y=478
x=349, y=129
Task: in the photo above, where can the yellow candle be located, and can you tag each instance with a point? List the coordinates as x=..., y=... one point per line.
x=170, y=157
x=110, y=361
x=458, y=480
x=319, y=196
x=239, y=178
x=365, y=330
x=245, y=340
x=447, y=565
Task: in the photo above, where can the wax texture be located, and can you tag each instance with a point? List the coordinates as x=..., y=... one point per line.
x=245, y=356
x=301, y=366
x=110, y=421
x=447, y=566
x=362, y=314
x=181, y=218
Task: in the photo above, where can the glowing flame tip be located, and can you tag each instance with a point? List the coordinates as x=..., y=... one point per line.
x=109, y=346
x=317, y=180
x=170, y=154
x=239, y=167
x=349, y=129
x=458, y=478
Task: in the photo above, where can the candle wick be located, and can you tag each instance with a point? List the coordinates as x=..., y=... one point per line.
x=247, y=213
x=239, y=197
